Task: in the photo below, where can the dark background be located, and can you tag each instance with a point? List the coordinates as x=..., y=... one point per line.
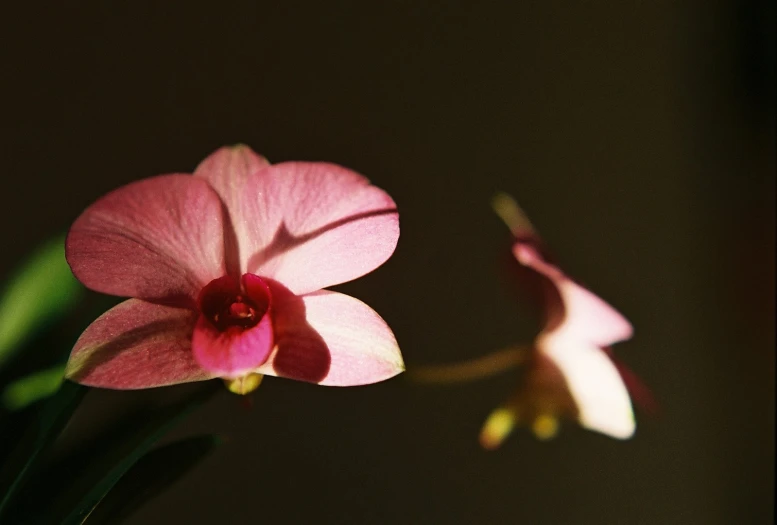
x=638, y=135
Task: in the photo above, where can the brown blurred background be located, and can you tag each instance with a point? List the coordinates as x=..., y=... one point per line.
x=638, y=135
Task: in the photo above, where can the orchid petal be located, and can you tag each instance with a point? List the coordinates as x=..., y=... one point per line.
x=136, y=344
x=157, y=239
x=331, y=339
x=227, y=170
x=582, y=314
x=311, y=225
x=594, y=384
x=590, y=318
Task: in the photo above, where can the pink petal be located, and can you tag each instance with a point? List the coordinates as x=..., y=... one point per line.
x=594, y=383
x=158, y=239
x=235, y=351
x=311, y=225
x=136, y=344
x=227, y=170
x=331, y=339
x=582, y=313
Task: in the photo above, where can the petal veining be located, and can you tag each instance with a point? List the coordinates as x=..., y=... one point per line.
x=159, y=239
x=134, y=345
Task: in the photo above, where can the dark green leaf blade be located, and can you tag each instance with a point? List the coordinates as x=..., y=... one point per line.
x=87, y=488
x=151, y=475
x=41, y=433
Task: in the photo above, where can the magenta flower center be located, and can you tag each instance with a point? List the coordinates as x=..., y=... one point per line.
x=231, y=304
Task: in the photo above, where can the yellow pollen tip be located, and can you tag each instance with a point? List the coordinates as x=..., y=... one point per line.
x=545, y=427
x=244, y=384
x=498, y=426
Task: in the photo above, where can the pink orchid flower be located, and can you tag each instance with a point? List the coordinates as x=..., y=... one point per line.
x=226, y=269
x=569, y=370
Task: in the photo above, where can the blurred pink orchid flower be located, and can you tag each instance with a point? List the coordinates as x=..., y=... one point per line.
x=568, y=370
x=226, y=270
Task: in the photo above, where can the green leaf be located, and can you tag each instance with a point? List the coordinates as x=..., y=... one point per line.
x=42, y=289
x=151, y=475
x=32, y=388
x=45, y=427
x=108, y=463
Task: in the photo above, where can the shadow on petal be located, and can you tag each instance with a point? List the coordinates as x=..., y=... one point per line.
x=231, y=246
x=301, y=353
x=284, y=240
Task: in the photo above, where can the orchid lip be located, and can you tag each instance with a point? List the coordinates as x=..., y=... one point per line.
x=234, y=333
x=230, y=304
